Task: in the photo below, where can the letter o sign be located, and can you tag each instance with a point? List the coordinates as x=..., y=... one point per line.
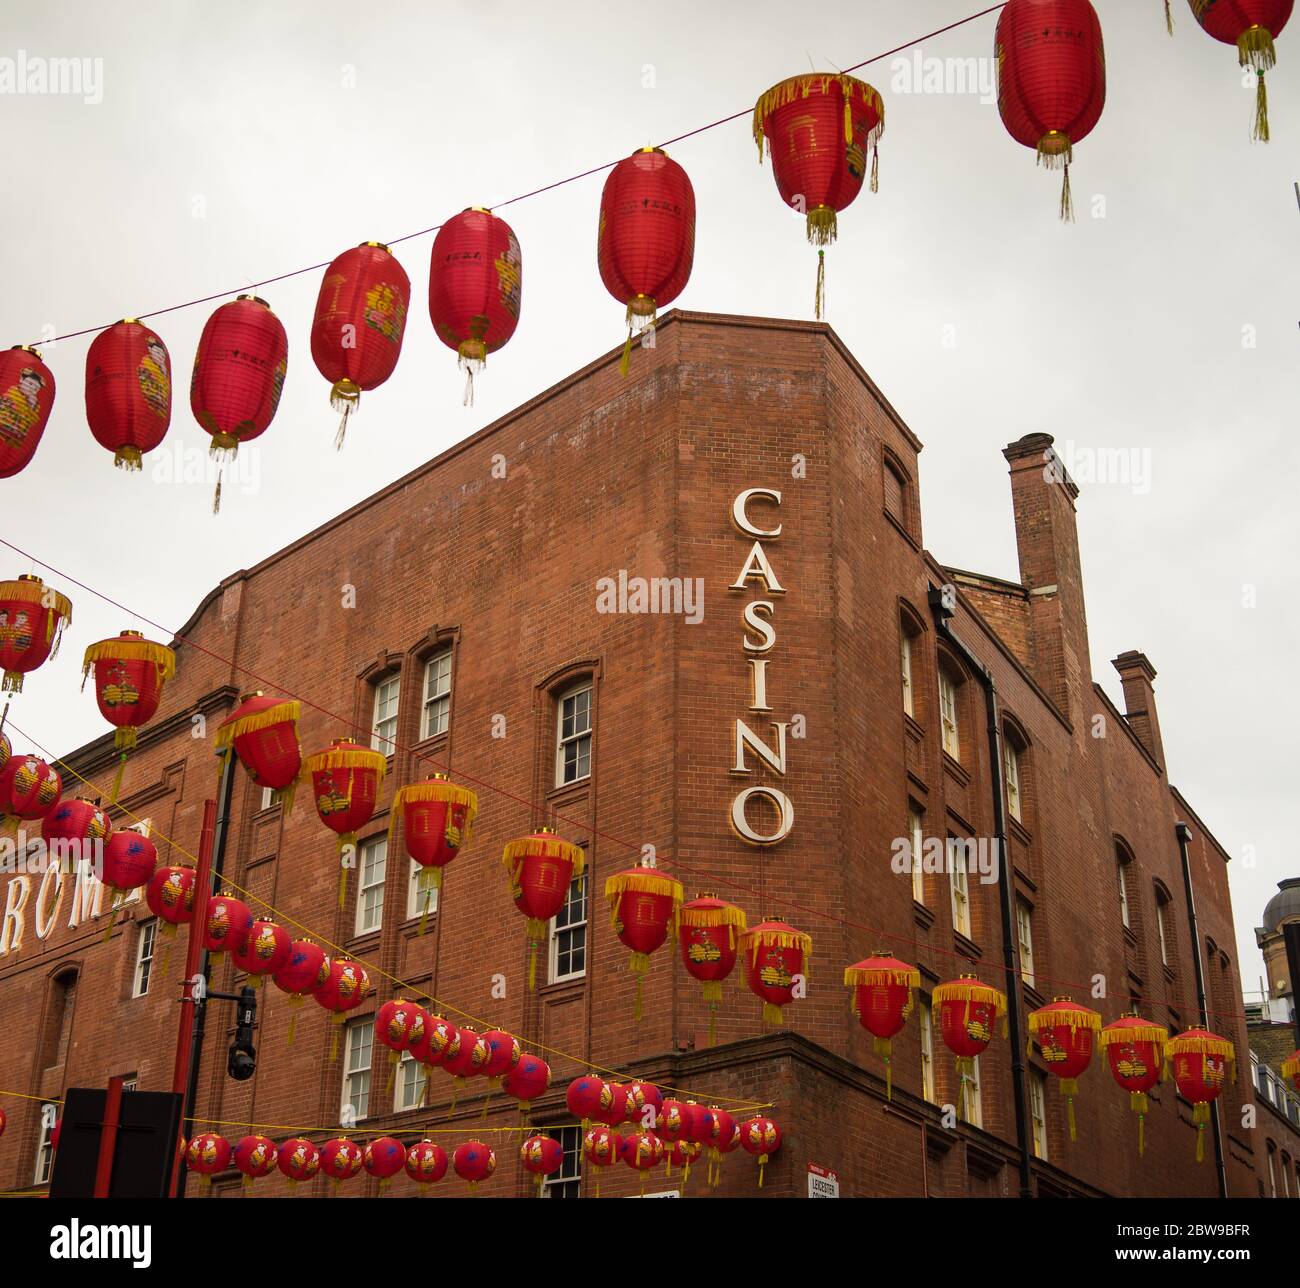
x=750, y=835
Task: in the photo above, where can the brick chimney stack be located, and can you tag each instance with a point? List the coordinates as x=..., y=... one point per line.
x=1136, y=674
x=1047, y=540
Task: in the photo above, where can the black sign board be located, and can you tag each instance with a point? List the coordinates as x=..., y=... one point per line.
x=149, y=1124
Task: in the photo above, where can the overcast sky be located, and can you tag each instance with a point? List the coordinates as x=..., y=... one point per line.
x=230, y=145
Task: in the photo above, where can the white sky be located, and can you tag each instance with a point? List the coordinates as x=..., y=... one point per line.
x=231, y=145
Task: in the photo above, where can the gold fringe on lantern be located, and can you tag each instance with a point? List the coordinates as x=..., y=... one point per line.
x=1169, y=18
x=1077, y=1017
x=1112, y=1035
x=1055, y=151
x=765, y=937
x=712, y=918
x=547, y=847
x=127, y=457
x=802, y=86
x=437, y=789
x=875, y=976
x=819, y=298
x=1291, y=1067
x=344, y=398
x=1199, y=1042
x=1255, y=49
x=471, y=360
x=640, y=318
x=130, y=650
x=969, y=989
x=229, y=730
x=337, y=757
x=822, y=226
x=644, y=881
x=1260, y=132
x=32, y=590
x=875, y=168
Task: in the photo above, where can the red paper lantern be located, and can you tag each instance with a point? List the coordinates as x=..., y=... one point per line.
x=1251, y=25
x=75, y=823
x=129, y=861
x=29, y=788
x=645, y=244
x=467, y=1059
x=882, y=999
x=643, y=905
x=475, y=285
x=345, y=783
x=229, y=922
x=306, y=969
x=721, y=1137
x=1066, y=1034
x=527, y=1080
x=614, y=1106
x=128, y=391
x=255, y=1156
x=263, y=951
x=645, y=1102
x=400, y=1025
x=344, y=989
x=474, y=1162
x=385, y=1157
x=298, y=1159
x=170, y=895
x=583, y=1098
x=776, y=960
x=503, y=1053
x=426, y=1163
x=542, y=1156
x=542, y=868
x=340, y=1159
x=356, y=333
x=1291, y=1069
x=674, y=1121
x=1051, y=79
x=600, y=1147
x=32, y=618
x=709, y=938
x=819, y=128
x=6, y=750
x=1203, y=1062
x=435, y=1044
x=26, y=400
x=641, y=1151
x=968, y=1013
x=683, y=1154
x=761, y=1137
x=238, y=375
x=208, y=1154
x=1135, y=1051
x=4, y=1122
x=437, y=822
x=264, y=734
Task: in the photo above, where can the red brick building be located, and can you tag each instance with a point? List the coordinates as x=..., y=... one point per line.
x=458, y=613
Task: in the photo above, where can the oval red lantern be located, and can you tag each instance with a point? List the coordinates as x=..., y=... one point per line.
x=643, y=905
x=384, y=1157
x=542, y=1156
x=674, y=1121
x=709, y=938
x=29, y=788
x=474, y=1162
x=264, y=734
x=75, y=823
x=356, y=333
x=437, y=822
x=503, y=1053
x=208, y=1154
x=776, y=964
x=32, y=618
x=128, y=391
x=255, y=1156
x=344, y=989
x=1135, y=1051
x=1251, y=25
x=435, y=1044
x=721, y=1137
x=426, y=1162
x=466, y=1058
x=26, y=400
x=643, y=1150
x=229, y=922
x=819, y=128
x=615, y=1105
x=263, y=951
x=645, y=244
x=340, y=1159
x=527, y=1080
x=882, y=999
x=1203, y=1064
x=645, y=1102
x=298, y=1159
x=170, y=895
x=400, y=1026
x=761, y=1137
x=345, y=783
x=306, y=969
x=475, y=288
x=1051, y=79
x=583, y=1098
x=968, y=1014
x=542, y=868
x=601, y=1148
x=129, y=861
x=1066, y=1034
x=238, y=376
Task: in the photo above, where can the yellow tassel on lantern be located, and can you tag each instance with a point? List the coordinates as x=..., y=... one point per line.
x=820, y=298
x=344, y=397
x=1169, y=19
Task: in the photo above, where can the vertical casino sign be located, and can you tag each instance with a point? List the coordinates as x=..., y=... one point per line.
x=761, y=813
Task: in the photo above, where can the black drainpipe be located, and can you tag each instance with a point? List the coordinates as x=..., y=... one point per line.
x=942, y=605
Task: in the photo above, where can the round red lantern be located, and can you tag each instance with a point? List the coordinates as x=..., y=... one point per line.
x=466, y=1059
x=542, y=868
x=475, y=285
x=238, y=376
x=819, y=128
x=721, y=1137
x=384, y=1157
x=26, y=400
x=208, y=1154
x=170, y=895
x=437, y=822
x=229, y=922
x=298, y=1159
x=1251, y=25
x=600, y=1147
x=542, y=1156
x=641, y=1151
x=503, y=1053
x=129, y=861
x=32, y=618
x=1051, y=79
x=583, y=1098
x=255, y=1156
x=645, y=244
x=344, y=989
x=6, y=750
x=77, y=825
x=474, y=1162
x=882, y=999
x=614, y=1106
x=1135, y=1051
x=426, y=1163
x=1291, y=1069
x=709, y=937
x=340, y=1159
x=674, y=1121
x=262, y=951
x=306, y=969
x=356, y=333
x=264, y=734
x=345, y=783
x=1066, y=1034
x=527, y=1080
x=436, y=1043
x=645, y=1102
x=1203, y=1063
x=400, y=1026
x=128, y=391
x=643, y=905
x=968, y=1012
x=761, y=1137
x=776, y=964
x=29, y=788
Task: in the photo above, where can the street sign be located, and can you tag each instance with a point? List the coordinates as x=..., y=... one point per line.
x=822, y=1183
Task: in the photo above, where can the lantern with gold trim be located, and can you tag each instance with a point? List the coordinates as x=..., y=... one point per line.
x=527, y=1080
x=341, y=1159
x=29, y=788
x=674, y=1122
x=383, y=1158
x=435, y=1044
x=722, y=1136
x=399, y=1026
x=306, y=969
x=709, y=939
x=130, y=858
x=437, y=822
x=1067, y=1034
x=761, y=1137
x=128, y=391
x=264, y=734
x=1135, y=1051
x=644, y=906
x=776, y=960
x=968, y=1013
x=1251, y=25
x=76, y=822
x=345, y=782
x=645, y=1102
x=344, y=989
x=6, y=750
x=819, y=128
x=32, y=618
x=255, y=1156
x=466, y=1058
x=229, y=922
x=208, y=1154
x=882, y=1000
x=600, y=1147
x=643, y=1150
x=583, y=1098
x=542, y=867
x=26, y=400
x=542, y=1156
x=170, y=896
x=1291, y=1069
x=298, y=1159
x=1203, y=1064
x=426, y=1163
x=262, y=952
x=474, y=1162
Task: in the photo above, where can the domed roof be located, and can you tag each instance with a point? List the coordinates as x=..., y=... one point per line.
x=1283, y=906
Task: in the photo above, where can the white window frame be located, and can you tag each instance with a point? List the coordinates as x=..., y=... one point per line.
x=1160, y=931
x=1038, y=1112
x=577, y=737
x=268, y=797
x=909, y=697
x=916, y=826
x=44, y=1148
x=365, y=869
x=948, y=715
x=974, y=1096
x=959, y=887
x=1123, y=896
x=145, y=945
x=383, y=721
x=435, y=707
x=569, y=1173
x=1025, y=936
x=420, y=903
x=569, y=927
x=1011, y=768
x=927, y=1053
x=408, y=1084
x=355, y=1048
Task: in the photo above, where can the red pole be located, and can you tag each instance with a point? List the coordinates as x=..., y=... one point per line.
x=193, y=948
x=108, y=1138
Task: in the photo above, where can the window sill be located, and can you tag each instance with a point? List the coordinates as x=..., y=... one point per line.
x=1033, y=998
x=915, y=730
x=367, y=942
x=1019, y=830
x=956, y=769
x=559, y=987
x=923, y=916
x=410, y=928
x=424, y=749
x=901, y=530
x=966, y=947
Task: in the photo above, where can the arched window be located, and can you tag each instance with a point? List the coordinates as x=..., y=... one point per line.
x=1015, y=771
x=952, y=694
x=910, y=630
x=58, y=1031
